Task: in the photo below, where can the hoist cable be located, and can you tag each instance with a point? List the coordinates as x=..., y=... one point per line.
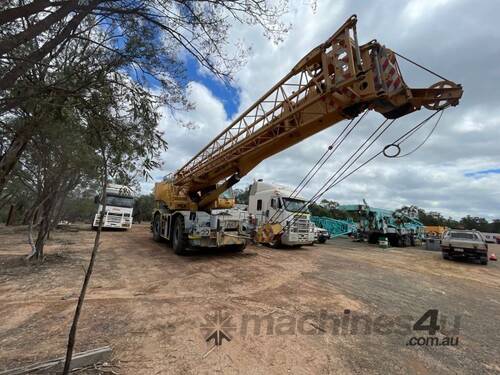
x=426, y=138
x=331, y=153
x=353, y=155
x=342, y=170
x=331, y=150
x=420, y=66
x=342, y=177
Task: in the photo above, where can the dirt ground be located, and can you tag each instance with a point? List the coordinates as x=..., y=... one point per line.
x=337, y=308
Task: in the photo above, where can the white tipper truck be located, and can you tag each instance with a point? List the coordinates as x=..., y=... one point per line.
x=119, y=207
x=269, y=203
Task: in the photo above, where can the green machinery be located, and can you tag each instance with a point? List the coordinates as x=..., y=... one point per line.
x=400, y=228
x=335, y=227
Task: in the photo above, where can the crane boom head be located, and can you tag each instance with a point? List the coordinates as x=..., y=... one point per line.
x=336, y=80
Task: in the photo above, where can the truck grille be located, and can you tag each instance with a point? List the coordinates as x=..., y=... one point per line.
x=114, y=218
x=301, y=226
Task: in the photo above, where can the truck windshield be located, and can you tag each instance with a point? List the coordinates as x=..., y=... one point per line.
x=464, y=236
x=119, y=201
x=294, y=205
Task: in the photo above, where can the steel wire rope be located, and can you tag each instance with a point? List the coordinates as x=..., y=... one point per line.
x=341, y=178
x=330, y=150
x=343, y=165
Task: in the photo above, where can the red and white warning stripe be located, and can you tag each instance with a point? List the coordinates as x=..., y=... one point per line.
x=390, y=72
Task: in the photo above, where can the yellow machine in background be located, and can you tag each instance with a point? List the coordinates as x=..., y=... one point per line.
x=435, y=230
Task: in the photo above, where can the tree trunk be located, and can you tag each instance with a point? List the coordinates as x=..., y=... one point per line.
x=9, y=159
x=20, y=68
x=46, y=210
x=12, y=14
x=11, y=216
x=40, y=240
x=36, y=29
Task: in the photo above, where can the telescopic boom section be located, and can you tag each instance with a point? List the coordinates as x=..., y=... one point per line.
x=337, y=80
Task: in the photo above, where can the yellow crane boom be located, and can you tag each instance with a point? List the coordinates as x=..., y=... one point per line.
x=337, y=80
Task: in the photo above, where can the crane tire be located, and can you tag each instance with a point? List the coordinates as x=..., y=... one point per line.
x=156, y=228
x=179, y=238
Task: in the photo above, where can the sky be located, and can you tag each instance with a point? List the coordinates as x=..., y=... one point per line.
x=456, y=172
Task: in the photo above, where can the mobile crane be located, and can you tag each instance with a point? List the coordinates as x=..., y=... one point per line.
x=335, y=81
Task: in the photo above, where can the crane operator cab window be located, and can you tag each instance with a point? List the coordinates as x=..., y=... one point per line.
x=273, y=203
x=259, y=204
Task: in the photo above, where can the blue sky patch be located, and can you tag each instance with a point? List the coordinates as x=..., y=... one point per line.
x=227, y=94
x=482, y=173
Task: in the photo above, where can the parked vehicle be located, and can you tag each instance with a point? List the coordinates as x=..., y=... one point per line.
x=464, y=244
x=268, y=203
x=398, y=227
x=119, y=207
x=321, y=235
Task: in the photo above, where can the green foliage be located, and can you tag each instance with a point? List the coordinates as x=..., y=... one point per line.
x=79, y=209
x=433, y=218
x=241, y=195
x=143, y=208
x=327, y=208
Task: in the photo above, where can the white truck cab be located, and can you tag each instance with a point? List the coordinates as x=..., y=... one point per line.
x=119, y=207
x=270, y=203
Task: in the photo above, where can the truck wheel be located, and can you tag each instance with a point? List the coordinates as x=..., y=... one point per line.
x=446, y=256
x=400, y=241
x=179, y=238
x=483, y=260
x=373, y=238
x=321, y=239
x=275, y=243
x=237, y=248
x=156, y=228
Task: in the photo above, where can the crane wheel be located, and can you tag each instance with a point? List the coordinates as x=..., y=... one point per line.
x=237, y=248
x=179, y=238
x=157, y=228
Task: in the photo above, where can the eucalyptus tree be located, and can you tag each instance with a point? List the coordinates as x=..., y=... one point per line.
x=41, y=41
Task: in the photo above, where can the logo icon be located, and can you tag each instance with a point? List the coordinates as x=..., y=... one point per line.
x=216, y=328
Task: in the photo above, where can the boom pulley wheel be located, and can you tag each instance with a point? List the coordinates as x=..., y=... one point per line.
x=445, y=98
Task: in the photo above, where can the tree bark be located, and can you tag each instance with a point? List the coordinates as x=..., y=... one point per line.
x=36, y=29
x=9, y=159
x=12, y=14
x=44, y=227
x=20, y=68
